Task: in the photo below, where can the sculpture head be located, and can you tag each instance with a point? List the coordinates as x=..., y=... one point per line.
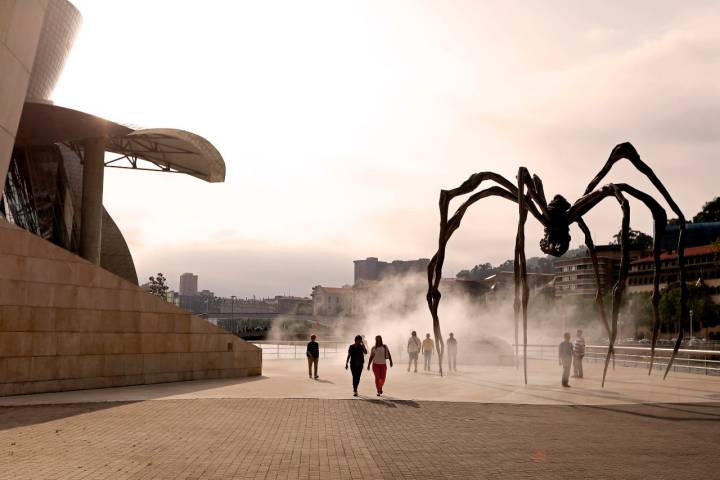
x=556, y=240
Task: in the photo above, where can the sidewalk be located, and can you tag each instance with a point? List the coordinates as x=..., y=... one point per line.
x=480, y=423
x=288, y=379
x=208, y=439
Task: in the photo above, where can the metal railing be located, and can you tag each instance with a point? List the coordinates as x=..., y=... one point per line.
x=296, y=349
x=704, y=362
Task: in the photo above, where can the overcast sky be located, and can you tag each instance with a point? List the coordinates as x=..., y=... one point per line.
x=340, y=122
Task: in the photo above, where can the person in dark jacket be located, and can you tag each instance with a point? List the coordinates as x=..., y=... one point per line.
x=565, y=356
x=356, y=357
x=313, y=355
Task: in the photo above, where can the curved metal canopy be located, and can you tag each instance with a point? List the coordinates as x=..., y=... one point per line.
x=167, y=149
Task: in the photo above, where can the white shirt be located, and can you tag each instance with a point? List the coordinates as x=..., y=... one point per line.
x=413, y=345
x=379, y=354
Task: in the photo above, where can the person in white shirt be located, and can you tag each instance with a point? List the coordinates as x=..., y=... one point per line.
x=378, y=355
x=578, y=354
x=413, y=349
x=452, y=352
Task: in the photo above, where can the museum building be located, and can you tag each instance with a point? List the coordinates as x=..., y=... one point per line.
x=72, y=315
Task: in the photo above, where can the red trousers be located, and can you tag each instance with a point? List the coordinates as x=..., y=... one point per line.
x=380, y=370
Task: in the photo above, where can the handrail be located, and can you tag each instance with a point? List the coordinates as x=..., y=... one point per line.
x=618, y=347
x=687, y=360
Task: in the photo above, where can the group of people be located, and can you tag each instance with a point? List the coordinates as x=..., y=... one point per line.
x=380, y=356
x=427, y=348
x=570, y=355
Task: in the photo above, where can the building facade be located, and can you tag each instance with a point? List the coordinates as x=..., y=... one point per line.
x=332, y=301
x=72, y=313
x=700, y=262
x=188, y=284
x=575, y=276
x=372, y=269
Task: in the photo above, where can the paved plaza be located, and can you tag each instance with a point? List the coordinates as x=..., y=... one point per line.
x=284, y=425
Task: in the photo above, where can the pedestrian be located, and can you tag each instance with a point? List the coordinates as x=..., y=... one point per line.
x=378, y=355
x=413, y=349
x=565, y=354
x=313, y=355
x=356, y=357
x=427, y=349
x=452, y=352
x=578, y=354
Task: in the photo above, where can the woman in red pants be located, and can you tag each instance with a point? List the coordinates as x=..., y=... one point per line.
x=378, y=355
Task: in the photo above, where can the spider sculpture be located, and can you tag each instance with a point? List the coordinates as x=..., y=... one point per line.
x=557, y=216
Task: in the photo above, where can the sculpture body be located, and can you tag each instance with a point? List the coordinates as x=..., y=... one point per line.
x=556, y=217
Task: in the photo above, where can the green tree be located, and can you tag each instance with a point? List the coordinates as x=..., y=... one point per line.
x=637, y=239
x=705, y=312
x=478, y=272
x=710, y=212
x=158, y=286
x=638, y=312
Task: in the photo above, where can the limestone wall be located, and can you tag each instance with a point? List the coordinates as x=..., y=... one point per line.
x=66, y=324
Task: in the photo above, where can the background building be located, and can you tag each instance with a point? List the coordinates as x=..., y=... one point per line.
x=188, y=284
x=700, y=262
x=332, y=301
x=372, y=269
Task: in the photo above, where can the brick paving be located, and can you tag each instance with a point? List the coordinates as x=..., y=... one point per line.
x=360, y=438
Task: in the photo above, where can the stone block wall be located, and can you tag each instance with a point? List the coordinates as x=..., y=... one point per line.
x=66, y=324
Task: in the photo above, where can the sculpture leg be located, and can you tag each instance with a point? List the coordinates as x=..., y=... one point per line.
x=626, y=150
x=521, y=263
x=516, y=304
x=683, y=296
x=433, y=299
x=593, y=255
x=658, y=230
x=448, y=225
x=619, y=287
x=599, y=303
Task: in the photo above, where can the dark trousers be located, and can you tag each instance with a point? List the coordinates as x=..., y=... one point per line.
x=566, y=364
x=356, y=372
x=312, y=362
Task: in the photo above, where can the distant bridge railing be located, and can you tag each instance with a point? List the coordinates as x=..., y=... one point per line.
x=704, y=362
x=296, y=349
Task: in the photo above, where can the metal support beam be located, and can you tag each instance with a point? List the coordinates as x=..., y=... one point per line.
x=92, y=193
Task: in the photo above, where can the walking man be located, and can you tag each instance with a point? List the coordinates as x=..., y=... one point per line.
x=313, y=355
x=356, y=357
x=578, y=354
x=565, y=354
x=413, y=349
x=427, y=349
x=452, y=352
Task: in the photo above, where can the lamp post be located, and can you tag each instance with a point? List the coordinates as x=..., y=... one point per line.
x=232, y=312
x=691, y=329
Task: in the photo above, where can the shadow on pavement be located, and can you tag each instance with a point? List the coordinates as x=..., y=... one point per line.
x=22, y=410
x=22, y=416
x=391, y=402
x=672, y=412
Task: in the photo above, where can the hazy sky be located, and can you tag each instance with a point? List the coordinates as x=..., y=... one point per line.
x=339, y=123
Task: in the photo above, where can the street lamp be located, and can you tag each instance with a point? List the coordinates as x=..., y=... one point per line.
x=691, y=329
